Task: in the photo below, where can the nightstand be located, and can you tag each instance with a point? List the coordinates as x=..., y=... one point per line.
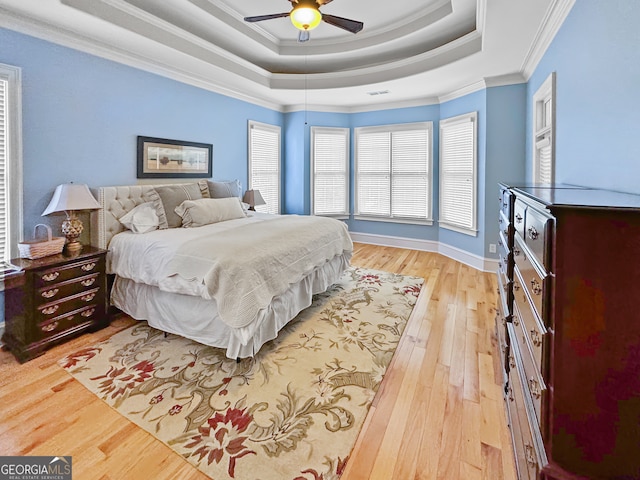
x=61, y=296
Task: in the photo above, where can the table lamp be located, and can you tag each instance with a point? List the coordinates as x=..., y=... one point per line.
x=253, y=198
x=69, y=198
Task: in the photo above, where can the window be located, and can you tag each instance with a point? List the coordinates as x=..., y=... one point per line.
x=458, y=173
x=544, y=131
x=330, y=171
x=393, y=172
x=264, y=164
x=10, y=162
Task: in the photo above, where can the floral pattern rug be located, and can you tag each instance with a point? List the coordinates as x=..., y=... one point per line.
x=291, y=413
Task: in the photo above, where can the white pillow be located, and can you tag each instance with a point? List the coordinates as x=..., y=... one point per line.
x=141, y=219
x=196, y=213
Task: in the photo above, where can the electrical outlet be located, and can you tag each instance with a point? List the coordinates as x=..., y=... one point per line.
x=492, y=248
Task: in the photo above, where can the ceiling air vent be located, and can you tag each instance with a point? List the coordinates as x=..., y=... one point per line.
x=378, y=92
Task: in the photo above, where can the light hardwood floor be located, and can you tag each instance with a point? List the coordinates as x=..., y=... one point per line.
x=438, y=415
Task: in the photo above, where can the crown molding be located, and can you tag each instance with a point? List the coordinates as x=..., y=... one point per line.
x=76, y=41
x=418, y=102
x=556, y=15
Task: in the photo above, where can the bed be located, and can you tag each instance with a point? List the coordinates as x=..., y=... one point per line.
x=232, y=284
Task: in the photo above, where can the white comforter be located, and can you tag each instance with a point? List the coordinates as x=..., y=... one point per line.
x=178, y=261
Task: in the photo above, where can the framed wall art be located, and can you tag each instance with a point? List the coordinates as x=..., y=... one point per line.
x=163, y=158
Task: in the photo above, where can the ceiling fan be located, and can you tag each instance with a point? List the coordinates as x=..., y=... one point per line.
x=306, y=16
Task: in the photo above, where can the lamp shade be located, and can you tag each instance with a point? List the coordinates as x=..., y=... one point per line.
x=253, y=198
x=69, y=197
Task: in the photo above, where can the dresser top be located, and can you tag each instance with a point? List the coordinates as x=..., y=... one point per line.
x=86, y=252
x=572, y=196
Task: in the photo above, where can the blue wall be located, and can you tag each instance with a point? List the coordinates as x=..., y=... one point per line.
x=596, y=57
x=81, y=116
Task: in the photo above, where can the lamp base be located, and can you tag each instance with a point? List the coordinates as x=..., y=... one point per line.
x=73, y=248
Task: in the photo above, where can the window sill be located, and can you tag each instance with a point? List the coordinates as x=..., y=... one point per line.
x=466, y=231
x=393, y=220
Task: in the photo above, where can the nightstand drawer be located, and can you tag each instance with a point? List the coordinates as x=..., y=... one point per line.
x=67, y=304
x=70, y=287
x=62, y=323
x=50, y=276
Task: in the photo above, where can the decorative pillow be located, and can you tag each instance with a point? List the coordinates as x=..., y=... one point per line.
x=231, y=188
x=141, y=219
x=171, y=196
x=196, y=213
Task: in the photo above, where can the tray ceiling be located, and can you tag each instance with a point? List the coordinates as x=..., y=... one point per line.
x=408, y=52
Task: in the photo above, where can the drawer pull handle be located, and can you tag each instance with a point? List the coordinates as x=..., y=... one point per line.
x=88, y=313
x=49, y=326
x=50, y=310
x=510, y=395
x=536, y=287
x=528, y=453
x=506, y=232
x=533, y=233
x=536, y=339
x=49, y=277
x=88, y=297
x=512, y=362
x=516, y=287
x=534, y=386
x=88, y=282
x=515, y=321
x=516, y=252
x=50, y=293
x=518, y=218
x=88, y=266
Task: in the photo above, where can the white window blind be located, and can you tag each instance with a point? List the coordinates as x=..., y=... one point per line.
x=330, y=170
x=393, y=172
x=458, y=182
x=10, y=162
x=543, y=132
x=264, y=164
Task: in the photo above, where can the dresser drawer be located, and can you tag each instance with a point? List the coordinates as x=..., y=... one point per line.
x=519, y=211
x=537, y=337
x=533, y=281
x=537, y=236
x=48, y=277
x=504, y=225
x=530, y=368
x=506, y=201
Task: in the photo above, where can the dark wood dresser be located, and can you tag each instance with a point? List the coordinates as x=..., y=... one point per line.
x=569, y=327
x=61, y=296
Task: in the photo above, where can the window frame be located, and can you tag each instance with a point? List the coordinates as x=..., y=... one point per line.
x=273, y=129
x=13, y=162
x=543, y=133
x=390, y=128
x=346, y=133
x=458, y=119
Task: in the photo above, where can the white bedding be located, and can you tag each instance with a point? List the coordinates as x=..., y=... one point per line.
x=147, y=259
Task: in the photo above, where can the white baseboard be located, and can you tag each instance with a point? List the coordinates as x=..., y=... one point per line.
x=470, y=259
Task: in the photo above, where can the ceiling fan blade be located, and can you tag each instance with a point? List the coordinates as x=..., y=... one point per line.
x=352, y=26
x=259, y=18
x=303, y=36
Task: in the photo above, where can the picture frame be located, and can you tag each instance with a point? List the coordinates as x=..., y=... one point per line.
x=165, y=158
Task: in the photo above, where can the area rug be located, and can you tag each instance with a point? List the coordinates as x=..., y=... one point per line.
x=291, y=413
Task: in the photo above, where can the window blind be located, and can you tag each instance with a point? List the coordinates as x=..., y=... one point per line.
x=4, y=234
x=458, y=172
x=330, y=170
x=264, y=164
x=543, y=131
x=393, y=171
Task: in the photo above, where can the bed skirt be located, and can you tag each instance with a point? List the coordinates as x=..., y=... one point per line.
x=197, y=318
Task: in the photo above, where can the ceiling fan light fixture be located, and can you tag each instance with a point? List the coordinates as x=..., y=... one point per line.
x=305, y=18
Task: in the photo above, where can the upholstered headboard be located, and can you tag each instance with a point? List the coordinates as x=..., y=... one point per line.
x=115, y=202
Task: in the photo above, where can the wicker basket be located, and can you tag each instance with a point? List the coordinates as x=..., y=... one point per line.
x=33, y=249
